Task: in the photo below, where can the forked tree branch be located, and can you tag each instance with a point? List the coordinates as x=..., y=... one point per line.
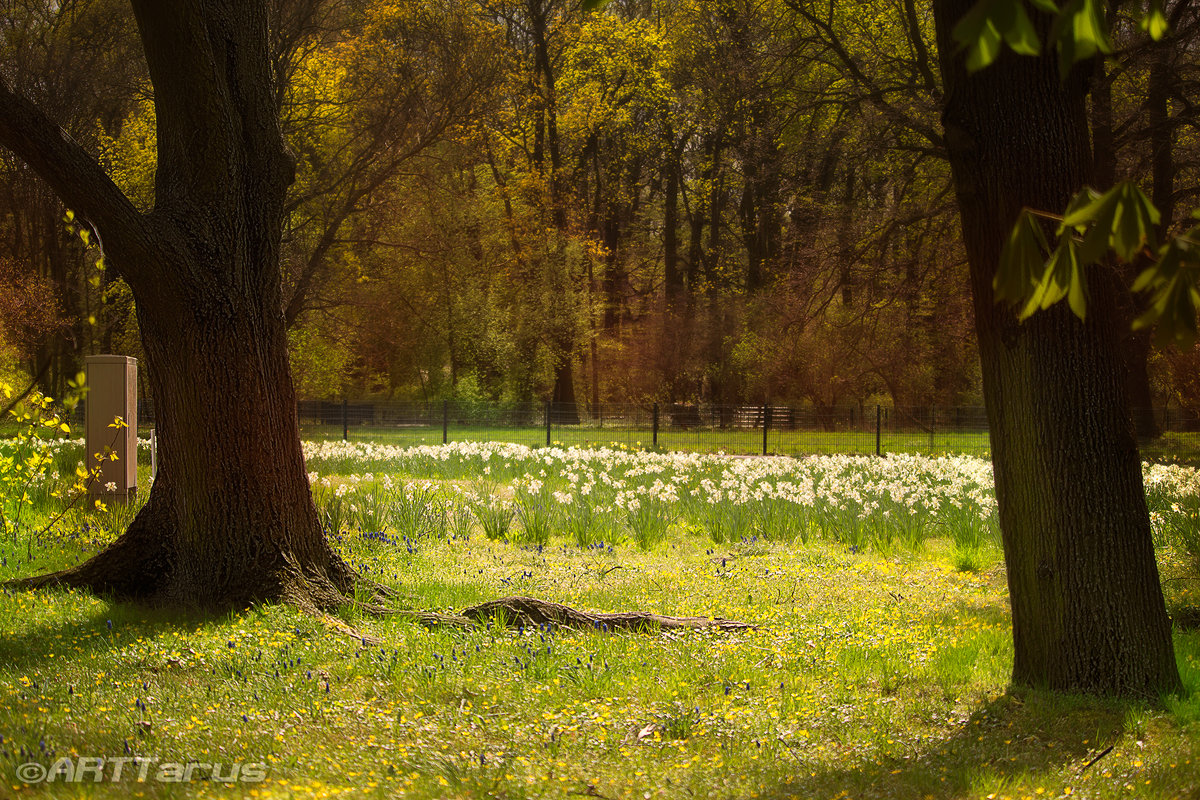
x=75, y=177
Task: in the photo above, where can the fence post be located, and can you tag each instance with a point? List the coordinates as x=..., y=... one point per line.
x=878, y=421
x=345, y=421
x=932, y=427
x=654, y=427
x=766, y=425
x=547, y=423
x=445, y=421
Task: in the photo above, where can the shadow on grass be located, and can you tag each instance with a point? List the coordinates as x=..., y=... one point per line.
x=109, y=628
x=1019, y=735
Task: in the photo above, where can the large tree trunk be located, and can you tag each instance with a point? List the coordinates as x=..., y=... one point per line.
x=230, y=518
x=1087, y=607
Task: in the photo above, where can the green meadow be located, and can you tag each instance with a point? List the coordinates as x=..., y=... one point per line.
x=878, y=665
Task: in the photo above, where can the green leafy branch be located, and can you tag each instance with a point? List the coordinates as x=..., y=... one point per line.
x=1079, y=31
x=1032, y=274
x=28, y=455
x=1123, y=220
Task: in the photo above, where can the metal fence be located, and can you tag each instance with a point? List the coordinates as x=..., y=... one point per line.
x=732, y=429
x=683, y=427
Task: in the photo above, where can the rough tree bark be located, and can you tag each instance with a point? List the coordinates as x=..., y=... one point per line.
x=1087, y=607
x=230, y=518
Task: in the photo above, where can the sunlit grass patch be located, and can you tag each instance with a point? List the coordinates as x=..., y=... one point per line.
x=879, y=667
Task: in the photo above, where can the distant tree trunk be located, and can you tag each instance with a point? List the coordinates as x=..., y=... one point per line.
x=230, y=519
x=846, y=244
x=1087, y=608
x=1141, y=398
x=594, y=357
x=563, y=403
x=695, y=256
x=716, y=211
x=1162, y=193
x=672, y=274
x=699, y=211
x=676, y=316
x=1104, y=145
x=1162, y=129
x=539, y=17
x=748, y=216
x=608, y=217
x=1135, y=344
x=759, y=208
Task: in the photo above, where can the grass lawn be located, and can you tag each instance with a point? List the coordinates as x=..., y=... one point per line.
x=1171, y=447
x=703, y=440
x=879, y=666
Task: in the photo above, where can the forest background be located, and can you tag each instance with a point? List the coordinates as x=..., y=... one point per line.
x=720, y=201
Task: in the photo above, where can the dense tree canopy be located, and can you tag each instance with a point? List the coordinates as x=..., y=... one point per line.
x=688, y=200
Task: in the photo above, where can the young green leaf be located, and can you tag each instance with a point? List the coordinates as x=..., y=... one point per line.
x=992, y=23
x=1123, y=219
x=1090, y=30
x=985, y=49
x=1055, y=283
x=1175, y=298
x=1154, y=21
x=1090, y=216
x=1081, y=33
x=1020, y=34
x=1084, y=209
x=1022, y=255
x=1148, y=276
x=978, y=33
x=1134, y=224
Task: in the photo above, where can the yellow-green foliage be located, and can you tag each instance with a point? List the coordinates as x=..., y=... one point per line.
x=614, y=79
x=26, y=457
x=318, y=363
x=132, y=156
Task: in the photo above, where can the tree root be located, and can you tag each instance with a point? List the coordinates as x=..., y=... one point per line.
x=515, y=611
x=531, y=611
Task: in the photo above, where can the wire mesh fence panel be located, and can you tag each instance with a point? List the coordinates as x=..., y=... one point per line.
x=809, y=431
x=519, y=424
x=608, y=425
x=932, y=430
x=708, y=429
x=683, y=427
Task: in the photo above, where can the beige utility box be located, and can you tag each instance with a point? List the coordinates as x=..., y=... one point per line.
x=111, y=393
